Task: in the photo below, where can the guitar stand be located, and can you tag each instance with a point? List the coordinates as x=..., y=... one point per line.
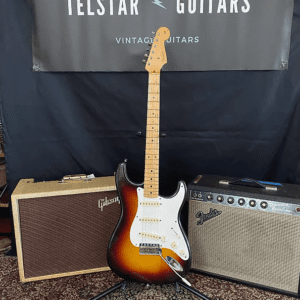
x=124, y=284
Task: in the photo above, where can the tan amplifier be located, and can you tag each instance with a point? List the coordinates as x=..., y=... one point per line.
x=63, y=228
x=247, y=231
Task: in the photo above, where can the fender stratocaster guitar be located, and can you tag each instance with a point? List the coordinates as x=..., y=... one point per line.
x=149, y=244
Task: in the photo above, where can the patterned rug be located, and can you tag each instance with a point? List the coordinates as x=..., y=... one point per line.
x=89, y=285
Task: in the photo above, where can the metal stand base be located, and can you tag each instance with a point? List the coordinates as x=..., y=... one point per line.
x=123, y=285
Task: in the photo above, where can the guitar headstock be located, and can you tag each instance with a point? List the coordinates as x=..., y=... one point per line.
x=157, y=56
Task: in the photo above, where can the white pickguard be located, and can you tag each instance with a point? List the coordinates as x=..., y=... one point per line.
x=166, y=211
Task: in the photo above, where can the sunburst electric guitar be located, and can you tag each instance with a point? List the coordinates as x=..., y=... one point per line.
x=149, y=244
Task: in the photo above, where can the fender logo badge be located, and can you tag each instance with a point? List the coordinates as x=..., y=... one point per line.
x=205, y=217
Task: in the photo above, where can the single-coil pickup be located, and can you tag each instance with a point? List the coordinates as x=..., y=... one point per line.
x=153, y=236
x=150, y=203
x=150, y=220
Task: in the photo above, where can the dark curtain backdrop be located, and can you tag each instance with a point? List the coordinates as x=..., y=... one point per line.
x=234, y=123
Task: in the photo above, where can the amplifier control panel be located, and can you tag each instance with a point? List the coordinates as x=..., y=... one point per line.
x=245, y=202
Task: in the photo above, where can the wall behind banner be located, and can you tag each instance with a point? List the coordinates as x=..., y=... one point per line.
x=235, y=123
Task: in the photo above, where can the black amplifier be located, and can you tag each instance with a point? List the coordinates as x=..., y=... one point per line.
x=246, y=231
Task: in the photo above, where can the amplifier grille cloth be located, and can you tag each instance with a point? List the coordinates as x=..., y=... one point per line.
x=66, y=233
x=252, y=246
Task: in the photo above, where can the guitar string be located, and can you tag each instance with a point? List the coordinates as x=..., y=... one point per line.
x=154, y=147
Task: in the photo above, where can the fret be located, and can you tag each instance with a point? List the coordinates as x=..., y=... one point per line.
x=151, y=168
x=152, y=137
x=152, y=119
x=152, y=152
x=149, y=189
x=155, y=195
x=151, y=175
x=151, y=157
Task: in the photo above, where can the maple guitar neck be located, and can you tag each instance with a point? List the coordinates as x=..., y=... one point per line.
x=151, y=179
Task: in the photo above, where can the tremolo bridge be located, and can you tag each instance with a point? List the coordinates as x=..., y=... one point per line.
x=149, y=249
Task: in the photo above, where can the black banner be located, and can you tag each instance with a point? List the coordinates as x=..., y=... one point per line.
x=112, y=35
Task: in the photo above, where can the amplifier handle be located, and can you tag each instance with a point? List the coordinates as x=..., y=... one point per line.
x=249, y=180
x=77, y=177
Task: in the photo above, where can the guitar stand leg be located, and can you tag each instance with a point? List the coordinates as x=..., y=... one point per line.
x=193, y=291
x=121, y=285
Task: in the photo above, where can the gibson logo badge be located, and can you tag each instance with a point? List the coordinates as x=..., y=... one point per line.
x=205, y=217
x=106, y=202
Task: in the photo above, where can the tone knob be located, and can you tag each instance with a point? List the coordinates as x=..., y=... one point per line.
x=230, y=200
x=241, y=201
x=220, y=198
x=264, y=204
x=252, y=203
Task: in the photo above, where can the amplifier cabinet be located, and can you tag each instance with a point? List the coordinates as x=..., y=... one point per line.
x=63, y=228
x=248, y=234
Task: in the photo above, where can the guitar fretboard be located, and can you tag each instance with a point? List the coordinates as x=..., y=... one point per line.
x=151, y=180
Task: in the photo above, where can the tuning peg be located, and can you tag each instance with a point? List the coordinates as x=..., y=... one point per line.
x=146, y=55
x=150, y=44
x=144, y=61
x=147, y=49
x=153, y=32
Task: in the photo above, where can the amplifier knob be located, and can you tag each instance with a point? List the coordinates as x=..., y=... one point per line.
x=220, y=198
x=230, y=200
x=252, y=203
x=297, y=209
x=209, y=197
x=195, y=195
x=264, y=205
x=241, y=201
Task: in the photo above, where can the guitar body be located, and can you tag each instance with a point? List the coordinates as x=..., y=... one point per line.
x=135, y=228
